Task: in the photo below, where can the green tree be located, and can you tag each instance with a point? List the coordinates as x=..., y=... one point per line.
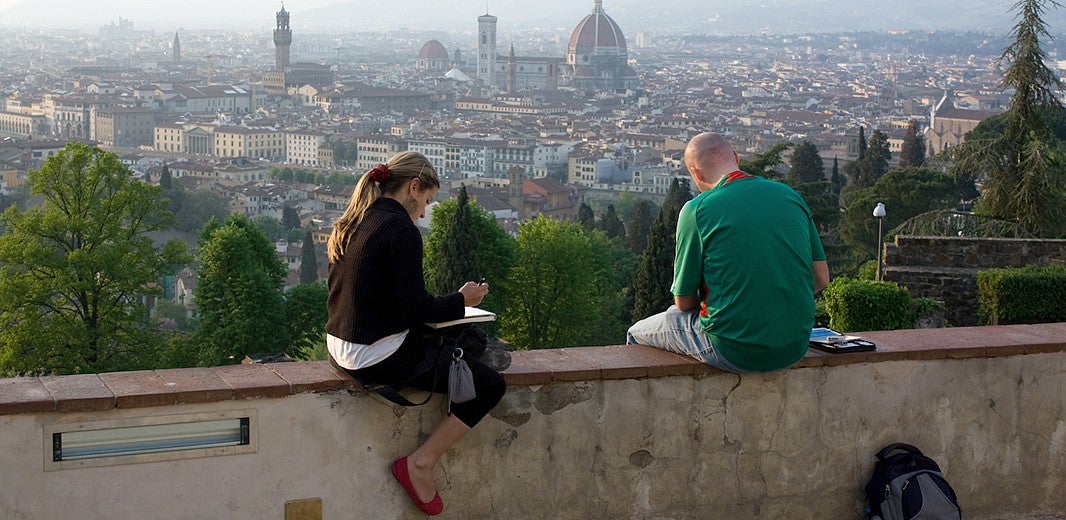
x=639, y=225
x=345, y=152
x=569, y=293
x=912, y=152
x=271, y=227
x=290, y=218
x=174, y=312
x=495, y=253
x=193, y=209
x=239, y=294
x=625, y=204
x=862, y=143
x=1018, y=154
x=764, y=164
x=73, y=270
x=655, y=274
x=282, y=174
x=586, y=217
x=305, y=308
x=806, y=163
x=834, y=177
x=308, y=260
x=610, y=224
x=906, y=192
x=458, y=255
x=874, y=162
x=164, y=178
x=823, y=201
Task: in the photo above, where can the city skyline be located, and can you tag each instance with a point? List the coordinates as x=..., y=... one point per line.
x=677, y=16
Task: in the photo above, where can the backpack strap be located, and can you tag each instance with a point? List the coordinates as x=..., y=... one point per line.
x=389, y=391
x=887, y=450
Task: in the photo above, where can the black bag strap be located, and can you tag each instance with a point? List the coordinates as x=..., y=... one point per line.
x=887, y=450
x=390, y=392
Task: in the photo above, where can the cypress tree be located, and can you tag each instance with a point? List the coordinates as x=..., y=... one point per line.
x=874, y=162
x=610, y=224
x=835, y=177
x=586, y=217
x=459, y=257
x=806, y=163
x=164, y=179
x=862, y=143
x=290, y=219
x=308, y=260
x=639, y=226
x=651, y=285
x=912, y=152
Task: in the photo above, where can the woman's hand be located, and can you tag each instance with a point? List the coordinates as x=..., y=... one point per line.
x=473, y=293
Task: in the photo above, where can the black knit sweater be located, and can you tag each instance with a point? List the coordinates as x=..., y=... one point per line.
x=377, y=288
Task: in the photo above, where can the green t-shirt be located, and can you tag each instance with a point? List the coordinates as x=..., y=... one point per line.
x=751, y=243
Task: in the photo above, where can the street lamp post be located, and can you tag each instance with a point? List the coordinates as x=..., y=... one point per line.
x=879, y=212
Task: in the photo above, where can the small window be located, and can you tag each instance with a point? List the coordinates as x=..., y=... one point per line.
x=149, y=439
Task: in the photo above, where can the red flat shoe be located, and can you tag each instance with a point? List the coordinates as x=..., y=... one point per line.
x=399, y=470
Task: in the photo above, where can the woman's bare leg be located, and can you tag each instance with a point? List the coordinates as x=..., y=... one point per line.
x=421, y=463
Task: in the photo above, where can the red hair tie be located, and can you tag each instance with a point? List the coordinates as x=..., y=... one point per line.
x=380, y=173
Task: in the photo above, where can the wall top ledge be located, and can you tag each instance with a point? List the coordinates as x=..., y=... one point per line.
x=97, y=392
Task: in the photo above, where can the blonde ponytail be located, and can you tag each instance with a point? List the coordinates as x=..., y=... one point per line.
x=401, y=168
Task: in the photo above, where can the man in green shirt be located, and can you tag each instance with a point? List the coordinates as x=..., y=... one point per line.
x=747, y=266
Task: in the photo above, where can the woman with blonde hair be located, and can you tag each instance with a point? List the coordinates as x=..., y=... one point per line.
x=378, y=304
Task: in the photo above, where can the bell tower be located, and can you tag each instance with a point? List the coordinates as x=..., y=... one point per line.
x=516, y=177
x=486, y=49
x=282, y=41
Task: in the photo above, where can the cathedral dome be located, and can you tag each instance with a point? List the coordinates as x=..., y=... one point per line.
x=596, y=58
x=433, y=50
x=597, y=33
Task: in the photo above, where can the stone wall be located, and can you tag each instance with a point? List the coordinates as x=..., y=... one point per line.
x=586, y=434
x=945, y=268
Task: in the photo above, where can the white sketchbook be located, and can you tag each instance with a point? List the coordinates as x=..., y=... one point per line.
x=473, y=315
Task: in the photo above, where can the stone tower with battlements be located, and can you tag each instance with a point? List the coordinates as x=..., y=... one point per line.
x=282, y=41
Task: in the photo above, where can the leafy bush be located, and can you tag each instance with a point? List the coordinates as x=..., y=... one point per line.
x=1028, y=294
x=927, y=313
x=868, y=270
x=855, y=305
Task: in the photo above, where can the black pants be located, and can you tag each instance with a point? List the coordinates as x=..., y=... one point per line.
x=396, y=369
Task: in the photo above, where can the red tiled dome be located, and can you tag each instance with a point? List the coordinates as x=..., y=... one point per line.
x=597, y=31
x=433, y=50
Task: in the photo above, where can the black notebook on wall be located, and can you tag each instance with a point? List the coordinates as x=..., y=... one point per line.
x=829, y=340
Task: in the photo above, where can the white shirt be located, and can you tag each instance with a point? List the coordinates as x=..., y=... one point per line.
x=354, y=356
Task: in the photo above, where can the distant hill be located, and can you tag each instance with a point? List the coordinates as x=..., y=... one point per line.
x=558, y=16
x=673, y=16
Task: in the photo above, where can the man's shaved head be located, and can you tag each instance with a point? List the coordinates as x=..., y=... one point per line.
x=711, y=154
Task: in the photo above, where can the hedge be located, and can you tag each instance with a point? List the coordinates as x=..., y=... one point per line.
x=855, y=305
x=1030, y=294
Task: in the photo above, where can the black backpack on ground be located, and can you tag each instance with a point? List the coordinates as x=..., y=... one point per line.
x=907, y=485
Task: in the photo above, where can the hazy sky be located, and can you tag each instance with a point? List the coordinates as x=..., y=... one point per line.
x=712, y=16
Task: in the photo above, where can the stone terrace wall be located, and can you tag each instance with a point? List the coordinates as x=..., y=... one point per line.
x=945, y=268
x=590, y=433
